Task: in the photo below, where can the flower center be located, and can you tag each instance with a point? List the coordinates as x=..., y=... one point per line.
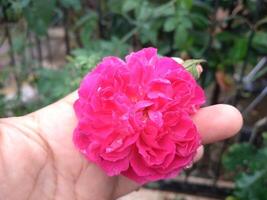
x=145, y=115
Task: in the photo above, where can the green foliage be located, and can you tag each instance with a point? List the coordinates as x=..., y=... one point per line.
x=238, y=156
x=53, y=84
x=250, y=167
x=76, y=4
x=260, y=41
x=39, y=15
x=87, y=25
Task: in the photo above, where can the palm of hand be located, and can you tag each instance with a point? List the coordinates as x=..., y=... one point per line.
x=38, y=159
x=56, y=170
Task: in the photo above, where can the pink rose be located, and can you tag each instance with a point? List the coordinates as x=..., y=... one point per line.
x=134, y=116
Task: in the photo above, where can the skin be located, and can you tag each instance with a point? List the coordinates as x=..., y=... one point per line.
x=38, y=159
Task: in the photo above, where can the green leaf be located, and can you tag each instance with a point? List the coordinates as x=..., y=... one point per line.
x=259, y=161
x=245, y=180
x=18, y=42
x=148, y=35
x=76, y=4
x=238, y=156
x=239, y=50
x=180, y=37
x=85, y=34
x=264, y=136
x=191, y=66
x=231, y=198
x=24, y=3
x=52, y=84
x=129, y=5
x=261, y=22
x=39, y=15
x=143, y=13
x=170, y=24
x=164, y=10
x=90, y=17
x=199, y=20
x=259, y=41
x=225, y=36
x=13, y=11
x=186, y=3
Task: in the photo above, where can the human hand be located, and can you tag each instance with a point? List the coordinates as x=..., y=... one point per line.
x=39, y=161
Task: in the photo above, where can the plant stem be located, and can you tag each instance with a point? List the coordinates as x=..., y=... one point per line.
x=129, y=35
x=100, y=18
x=243, y=69
x=39, y=49
x=12, y=57
x=49, y=49
x=66, y=30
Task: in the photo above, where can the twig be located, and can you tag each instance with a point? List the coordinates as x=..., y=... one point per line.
x=12, y=56
x=129, y=35
x=39, y=49
x=66, y=29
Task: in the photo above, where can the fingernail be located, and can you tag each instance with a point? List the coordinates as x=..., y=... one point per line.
x=189, y=166
x=199, y=69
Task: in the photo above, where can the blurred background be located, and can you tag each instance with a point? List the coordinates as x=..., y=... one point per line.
x=46, y=47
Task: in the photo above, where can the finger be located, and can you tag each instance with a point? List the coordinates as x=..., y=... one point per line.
x=125, y=186
x=217, y=122
x=199, y=155
x=199, y=69
x=71, y=98
x=214, y=123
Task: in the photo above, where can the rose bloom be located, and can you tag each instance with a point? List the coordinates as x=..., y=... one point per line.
x=134, y=116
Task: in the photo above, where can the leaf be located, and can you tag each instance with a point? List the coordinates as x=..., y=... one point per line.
x=185, y=22
x=180, y=37
x=259, y=161
x=261, y=22
x=85, y=34
x=238, y=155
x=129, y=5
x=144, y=13
x=225, y=36
x=24, y=3
x=231, y=198
x=204, y=7
x=264, y=136
x=199, y=20
x=245, y=181
x=186, y=3
x=52, y=84
x=39, y=15
x=191, y=66
x=76, y=4
x=164, y=10
x=18, y=42
x=90, y=16
x=148, y=34
x=251, y=185
x=13, y=11
x=259, y=41
x=170, y=24
x=239, y=50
